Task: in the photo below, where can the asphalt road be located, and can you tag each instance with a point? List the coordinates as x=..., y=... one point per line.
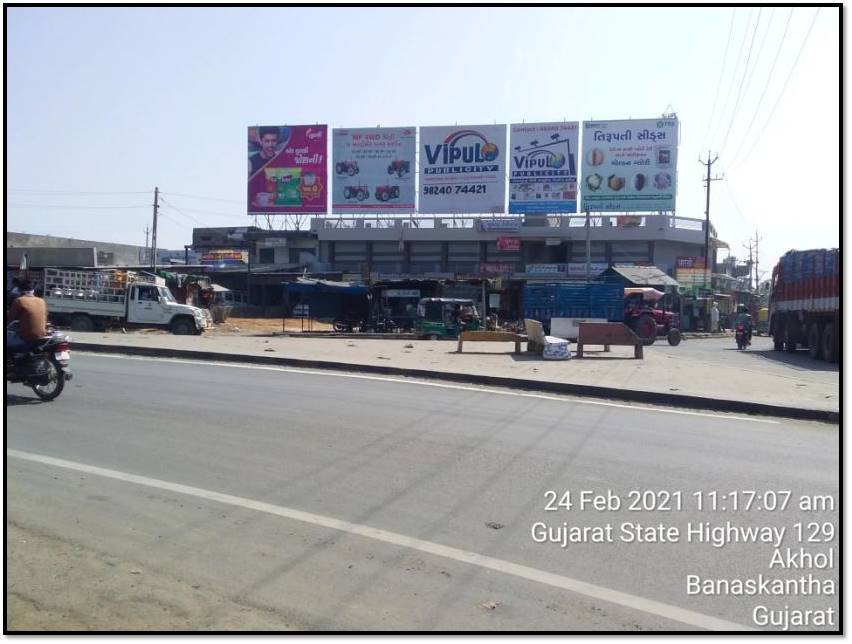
x=367, y=503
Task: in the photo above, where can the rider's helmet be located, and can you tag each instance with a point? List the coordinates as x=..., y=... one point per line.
x=741, y=308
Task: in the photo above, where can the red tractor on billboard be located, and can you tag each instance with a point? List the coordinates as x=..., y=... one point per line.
x=384, y=193
x=347, y=167
x=399, y=167
x=356, y=192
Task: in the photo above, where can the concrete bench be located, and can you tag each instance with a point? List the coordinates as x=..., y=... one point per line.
x=608, y=333
x=550, y=347
x=491, y=336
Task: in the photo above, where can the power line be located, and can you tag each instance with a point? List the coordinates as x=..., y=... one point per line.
x=66, y=207
x=173, y=207
x=76, y=192
x=721, y=74
x=179, y=194
x=210, y=212
x=742, y=81
x=733, y=77
x=783, y=89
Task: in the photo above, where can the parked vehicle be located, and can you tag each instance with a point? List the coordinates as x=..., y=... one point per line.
x=96, y=299
x=356, y=192
x=441, y=317
x=399, y=167
x=385, y=193
x=804, y=303
x=44, y=366
x=742, y=336
x=642, y=314
x=347, y=167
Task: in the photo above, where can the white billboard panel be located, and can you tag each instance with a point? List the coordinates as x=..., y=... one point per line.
x=463, y=169
x=543, y=167
x=629, y=166
x=373, y=170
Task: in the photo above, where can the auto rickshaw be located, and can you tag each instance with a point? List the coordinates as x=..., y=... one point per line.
x=442, y=317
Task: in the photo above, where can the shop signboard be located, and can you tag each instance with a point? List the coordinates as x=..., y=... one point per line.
x=552, y=241
x=287, y=169
x=508, y=243
x=402, y=292
x=496, y=268
x=689, y=262
x=462, y=169
x=501, y=225
x=224, y=257
x=629, y=166
x=543, y=167
x=373, y=170
x=578, y=269
x=547, y=269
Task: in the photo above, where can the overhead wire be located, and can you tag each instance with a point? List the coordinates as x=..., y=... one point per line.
x=744, y=138
x=716, y=130
x=784, y=88
x=742, y=82
x=188, y=196
x=721, y=74
x=78, y=192
x=67, y=207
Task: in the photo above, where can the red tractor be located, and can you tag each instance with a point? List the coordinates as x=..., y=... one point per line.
x=347, y=167
x=384, y=193
x=399, y=167
x=356, y=192
x=647, y=321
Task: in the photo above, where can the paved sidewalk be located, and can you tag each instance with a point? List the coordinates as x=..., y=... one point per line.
x=710, y=368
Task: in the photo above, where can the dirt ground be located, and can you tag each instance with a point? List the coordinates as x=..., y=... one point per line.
x=252, y=326
x=55, y=585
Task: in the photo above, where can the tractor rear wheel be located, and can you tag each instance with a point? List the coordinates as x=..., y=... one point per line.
x=646, y=329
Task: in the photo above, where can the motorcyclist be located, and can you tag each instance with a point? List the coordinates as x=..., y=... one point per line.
x=744, y=317
x=31, y=314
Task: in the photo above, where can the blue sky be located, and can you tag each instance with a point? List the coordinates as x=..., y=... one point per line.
x=123, y=99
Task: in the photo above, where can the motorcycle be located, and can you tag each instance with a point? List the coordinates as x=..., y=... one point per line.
x=44, y=364
x=743, y=336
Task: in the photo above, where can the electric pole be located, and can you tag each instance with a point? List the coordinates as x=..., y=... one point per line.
x=757, y=241
x=709, y=163
x=147, y=230
x=154, y=231
x=750, y=262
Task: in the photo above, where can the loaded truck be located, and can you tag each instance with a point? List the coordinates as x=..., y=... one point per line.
x=566, y=304
x=90, y=300
x=804, y=303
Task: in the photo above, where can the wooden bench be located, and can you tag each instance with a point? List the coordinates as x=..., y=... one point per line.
x=608, y=333
x=491, y=336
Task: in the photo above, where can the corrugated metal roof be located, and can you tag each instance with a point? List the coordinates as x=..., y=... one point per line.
x=645, y=275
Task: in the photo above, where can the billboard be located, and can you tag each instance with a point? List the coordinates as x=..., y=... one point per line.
x=629, y=166
x=287, y=169
x=224, y=257
x=543, y=167
x=462, y=169
x=373, y=170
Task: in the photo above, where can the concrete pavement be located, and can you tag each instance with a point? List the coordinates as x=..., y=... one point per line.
x=460, y=467
x=699, y=373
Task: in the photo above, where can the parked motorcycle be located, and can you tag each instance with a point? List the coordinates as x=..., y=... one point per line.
x=743, y=336
x=44, y=365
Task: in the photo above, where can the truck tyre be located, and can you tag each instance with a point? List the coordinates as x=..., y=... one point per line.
x=829, y=344
x=777, y=343
x=183, y=326
x=673, y=337
x=646, y=329
x=814, y=342
x=82, y=322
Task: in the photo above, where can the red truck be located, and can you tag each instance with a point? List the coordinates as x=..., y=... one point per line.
x=804, y=303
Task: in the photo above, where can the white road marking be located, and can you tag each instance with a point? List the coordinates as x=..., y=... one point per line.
x=660, y=609
x=425, y=383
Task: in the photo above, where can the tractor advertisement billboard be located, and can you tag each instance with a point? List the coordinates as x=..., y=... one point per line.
x=543, y=167
x=373, y=170
x=629, y=166
x=463, y=169
x=287, y=169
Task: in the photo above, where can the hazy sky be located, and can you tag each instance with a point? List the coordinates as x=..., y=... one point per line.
x=123, y=99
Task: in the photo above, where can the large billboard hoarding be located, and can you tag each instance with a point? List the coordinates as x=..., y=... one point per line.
x=373, y=170
x=463, y=169
x=287, y=169
x=629, y=166
x=543, y=167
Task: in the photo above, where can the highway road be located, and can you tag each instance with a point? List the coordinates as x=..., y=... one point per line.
x=200, y=496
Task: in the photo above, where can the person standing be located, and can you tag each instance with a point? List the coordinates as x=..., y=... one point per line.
x=714, y=318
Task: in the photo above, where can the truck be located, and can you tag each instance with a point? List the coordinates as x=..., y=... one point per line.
x=565, y=304
x=804, y=303
x=90, y=300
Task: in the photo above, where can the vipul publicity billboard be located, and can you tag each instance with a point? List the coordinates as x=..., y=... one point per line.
x=287, y=169
x=543, y=167
x=629, y=166
x=373, y=170
x=462, y=169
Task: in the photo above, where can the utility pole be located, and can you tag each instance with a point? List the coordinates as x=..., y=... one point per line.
x=707, y=181
x=756, y=256
x=750, y=261
x=147, y=230
x=154, y=231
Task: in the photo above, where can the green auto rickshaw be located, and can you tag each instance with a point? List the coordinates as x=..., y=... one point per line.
x=443, y=317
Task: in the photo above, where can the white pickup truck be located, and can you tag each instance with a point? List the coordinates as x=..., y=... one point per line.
x=88, y=300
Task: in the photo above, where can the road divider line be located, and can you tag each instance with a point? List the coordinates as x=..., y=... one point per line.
x=635, y=602
x=413, y=381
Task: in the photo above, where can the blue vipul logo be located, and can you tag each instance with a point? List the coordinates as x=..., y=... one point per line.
x=539, y=160
x=453, y=150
